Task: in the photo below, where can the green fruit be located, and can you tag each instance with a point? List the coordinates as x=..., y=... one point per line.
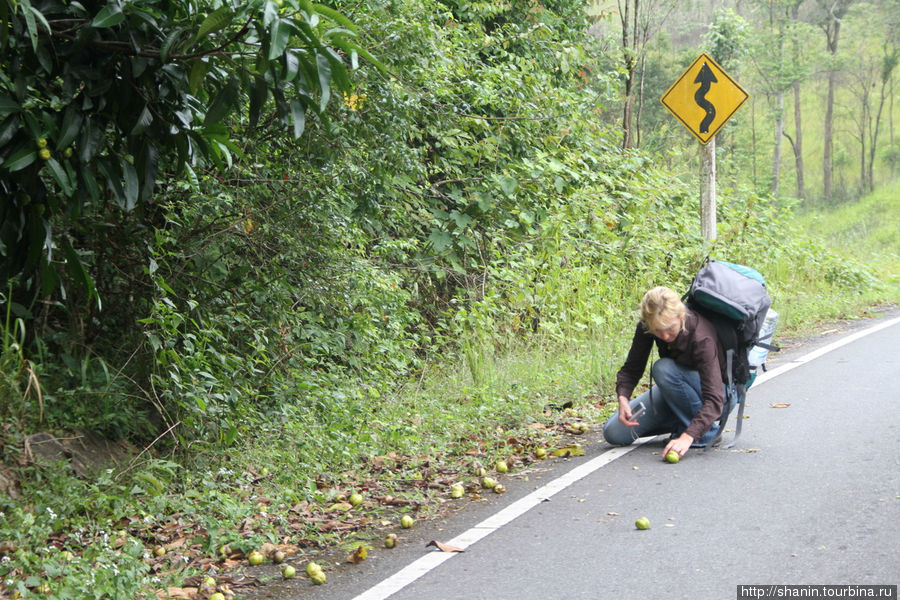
x=406, y=521
x=540, y=453
x=488, y=483
x=288, y=572
x=209, y=581
x=356, y=499
x=278, y=557
x=501, y=466
x=312, y=568
x=44, y=153
x=159, y=551
x=41, y=142
x=390, y=541
x=318, y=578
x=499, y=488
x=255, y=558
x=217, y=596
x=672, y=457
x=642, y=523
x=457, y=490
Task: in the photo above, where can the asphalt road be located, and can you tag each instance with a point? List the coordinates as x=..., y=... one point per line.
x=810, y=495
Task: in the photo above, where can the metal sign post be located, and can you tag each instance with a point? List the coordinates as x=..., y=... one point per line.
x=704, y=98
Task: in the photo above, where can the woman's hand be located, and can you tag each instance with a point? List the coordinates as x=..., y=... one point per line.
x=625, y=412
x=680, y=445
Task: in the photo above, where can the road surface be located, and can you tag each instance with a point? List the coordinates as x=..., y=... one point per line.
x=809, y=495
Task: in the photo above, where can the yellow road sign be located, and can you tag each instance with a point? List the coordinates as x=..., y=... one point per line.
x=704, y=98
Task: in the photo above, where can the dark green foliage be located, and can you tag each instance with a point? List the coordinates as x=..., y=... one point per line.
x=464, y=198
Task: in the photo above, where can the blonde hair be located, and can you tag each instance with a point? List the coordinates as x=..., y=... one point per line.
x=661, y=306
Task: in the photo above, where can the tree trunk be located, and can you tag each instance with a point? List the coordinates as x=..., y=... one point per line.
x=827, y=160
x=779, y=135
x=798, y=131
x=640, y=103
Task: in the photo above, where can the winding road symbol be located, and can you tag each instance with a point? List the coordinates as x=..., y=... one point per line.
x=704, y=98
x=705, y=78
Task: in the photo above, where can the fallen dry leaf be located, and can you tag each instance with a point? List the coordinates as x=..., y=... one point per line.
x=176, y=593
x=780, y=404
x=443, y=547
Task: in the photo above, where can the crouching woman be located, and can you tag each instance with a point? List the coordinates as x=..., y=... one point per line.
x=687, y=398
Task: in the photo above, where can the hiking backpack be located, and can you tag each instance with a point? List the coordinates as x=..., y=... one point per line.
x=734, y=299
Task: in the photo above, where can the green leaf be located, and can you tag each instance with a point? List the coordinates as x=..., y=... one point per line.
x=29, y=24
x=441, y=240
x=109, y=16
x=259, y=92
x=323, y=66
x=70, y=126
x=170, y=42
x=20, y=159
x=278, y=40
x=143, y=121
x=215, y=21
x=77, y=271
x=508, y=185
x=298, y=117
x=198, y=73
x=132, y=185
x=223, y=102
x=8, y=129
x=61, y=176
x=8, y=106
x=334, y=16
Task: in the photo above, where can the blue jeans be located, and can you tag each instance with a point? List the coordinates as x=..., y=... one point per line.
x=676, y=399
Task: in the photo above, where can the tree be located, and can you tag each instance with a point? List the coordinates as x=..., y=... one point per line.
x=97, y=100
x=829, y=17
x=639, y=22
x=797, y=140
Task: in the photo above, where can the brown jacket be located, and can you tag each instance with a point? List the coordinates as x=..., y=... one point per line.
x=696, y=347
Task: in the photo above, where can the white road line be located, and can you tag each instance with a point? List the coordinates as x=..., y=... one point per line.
x=764, y=377
x=432, y=560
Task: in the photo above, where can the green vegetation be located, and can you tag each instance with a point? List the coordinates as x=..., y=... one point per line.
x=437, y=270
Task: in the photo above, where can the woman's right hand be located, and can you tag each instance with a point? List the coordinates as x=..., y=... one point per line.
x=625, y=412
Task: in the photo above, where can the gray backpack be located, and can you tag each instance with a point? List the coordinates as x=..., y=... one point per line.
x=734, y=299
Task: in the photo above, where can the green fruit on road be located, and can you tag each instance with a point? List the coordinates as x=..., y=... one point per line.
x=488, y=483
x=356, y=499
x=278, y=557
x=390, y=541
x=255, y=558
x=312, y=568
x=672, y=457
x=406, y=521
x=501, y=466
x=499, y=488
x=642, y=523
x=540, y=453
x=318, y=578
x=457, y=490
x=288, y=572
